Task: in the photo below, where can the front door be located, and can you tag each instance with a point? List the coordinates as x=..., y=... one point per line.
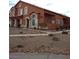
x=18, y=23
x=27, y=23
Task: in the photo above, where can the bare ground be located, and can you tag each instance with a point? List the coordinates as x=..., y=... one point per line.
x=57, y=44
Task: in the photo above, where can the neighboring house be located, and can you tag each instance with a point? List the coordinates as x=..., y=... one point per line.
x=30, y=16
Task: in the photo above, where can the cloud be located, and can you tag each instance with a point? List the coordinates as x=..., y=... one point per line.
x=48, y=4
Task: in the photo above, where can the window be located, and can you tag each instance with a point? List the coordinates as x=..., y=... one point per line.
x=33, y=22
x=49, y=19
x=53, y=21
x=60, y=22
x=57, y=21
x=34, y=19
x=33, y=16
x=20, y=11
x=25, y=10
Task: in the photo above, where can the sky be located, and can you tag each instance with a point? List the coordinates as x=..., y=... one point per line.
x=59, y=6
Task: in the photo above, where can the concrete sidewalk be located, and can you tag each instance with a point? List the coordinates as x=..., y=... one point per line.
x=47, y=32
x=14, y=35
x=37, y=56
x=56, y=32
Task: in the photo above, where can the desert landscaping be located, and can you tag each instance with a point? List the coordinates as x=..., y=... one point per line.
x=58, y=43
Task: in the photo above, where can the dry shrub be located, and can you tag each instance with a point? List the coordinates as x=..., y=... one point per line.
x=21, y=32
x=55, y=39
x=13, y=49
x=64, y=32
x=19, y=46
x=50, y=35
x=35, y=28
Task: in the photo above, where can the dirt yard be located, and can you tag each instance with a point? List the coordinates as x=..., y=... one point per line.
x=56, y=43
x=24, y=31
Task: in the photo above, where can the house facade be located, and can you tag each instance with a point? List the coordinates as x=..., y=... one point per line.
x=25, y=15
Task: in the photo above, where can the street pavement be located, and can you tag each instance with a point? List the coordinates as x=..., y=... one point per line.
x=37, y=56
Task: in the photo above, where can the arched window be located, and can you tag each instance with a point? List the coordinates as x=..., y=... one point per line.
x=34, y=20
x=33, y=17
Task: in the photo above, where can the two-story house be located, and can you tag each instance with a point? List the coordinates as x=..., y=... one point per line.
x=25, y=15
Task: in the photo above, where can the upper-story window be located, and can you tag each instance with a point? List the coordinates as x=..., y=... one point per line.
x=62, y=23
x=20, y=11
x=49, y=19
x=25, y=10
x=59, y=22
x=53, y=21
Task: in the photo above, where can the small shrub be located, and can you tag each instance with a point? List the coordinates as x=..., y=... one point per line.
x=50, y=35
x=42, y=46
x=55, y=39
x=20, y=46
x=21, y=32
x=34, y=27
x=57, y=29
x=27, y=51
